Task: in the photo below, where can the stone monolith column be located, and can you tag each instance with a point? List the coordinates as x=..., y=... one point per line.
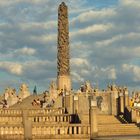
x=63, y=66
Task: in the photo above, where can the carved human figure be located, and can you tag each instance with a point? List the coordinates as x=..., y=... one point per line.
x=53, y=90
x=10, y=96
x=63, y=41
x=88, y=86
x=23, y=91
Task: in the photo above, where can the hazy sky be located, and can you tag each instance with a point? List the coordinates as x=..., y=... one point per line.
x=104, y=42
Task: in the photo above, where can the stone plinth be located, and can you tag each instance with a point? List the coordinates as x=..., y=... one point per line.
x=28, y=130
x=64, y=82
x=83, y=108
x=68, y=99
x=114, y=100
x=126, y=99
x=93, y=120
x=76, y=104
x=122, y=103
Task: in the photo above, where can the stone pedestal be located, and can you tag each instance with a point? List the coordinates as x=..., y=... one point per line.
x=28, y=130
x=126, y=100
x=114, y=102
x=133, y=115
x=83, y=108
x=93, y=120
x=27, y=126
x=75, y=104
x=64, y=82
x=110, y=104
x=68, y=103
x=122, y=103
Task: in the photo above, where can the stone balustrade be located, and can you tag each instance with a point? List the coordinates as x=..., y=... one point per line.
x=10, y=120
x=11, y=132
x=51, y=118
x=18, y=112
x=43, y=131
x=47, y=111
x=10, y=112
x=10, y=116
x=46, y=123
x=71, y=130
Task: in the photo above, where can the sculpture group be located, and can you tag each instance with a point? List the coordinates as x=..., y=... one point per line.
x=63, y=113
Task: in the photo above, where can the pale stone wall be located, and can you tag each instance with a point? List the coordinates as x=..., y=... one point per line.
x=135, y=115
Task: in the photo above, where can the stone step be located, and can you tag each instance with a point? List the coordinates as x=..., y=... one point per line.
x=109, y=125
x=117, y=134
x=119, y=130
x=117, y=125
x=105, y=116
x=107, y=119
x=112, y=122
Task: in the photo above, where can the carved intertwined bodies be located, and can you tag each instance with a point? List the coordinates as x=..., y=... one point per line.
x=63, y=41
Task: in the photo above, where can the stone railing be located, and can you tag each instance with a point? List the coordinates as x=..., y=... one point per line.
x=10, y=132
x=135, y=113
x=10, y=120
x=46, y=111
x=10, y=112
x=61, y=131
x=18, y=112
x=51, y=118
x=11, y=116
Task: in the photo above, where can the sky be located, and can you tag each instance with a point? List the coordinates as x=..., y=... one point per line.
x=104, y=42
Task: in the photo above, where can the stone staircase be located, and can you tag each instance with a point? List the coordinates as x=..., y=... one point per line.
x=109, y=125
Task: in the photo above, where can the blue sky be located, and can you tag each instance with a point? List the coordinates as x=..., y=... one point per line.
x=104, y=42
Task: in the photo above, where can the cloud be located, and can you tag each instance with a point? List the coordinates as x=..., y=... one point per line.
x=37, y=26
x=13, y=68
x=93, y=15
x=112, y=73
x=79, y=62
x=131, y=3
x=44, y=38
x=132, y=36
x=133, y=70
x=99, y=28
x=25, y=51
x=76, y=77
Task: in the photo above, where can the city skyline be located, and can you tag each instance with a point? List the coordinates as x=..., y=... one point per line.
x=102, y=35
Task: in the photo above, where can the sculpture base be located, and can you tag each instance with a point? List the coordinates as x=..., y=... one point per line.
x=64, y=82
